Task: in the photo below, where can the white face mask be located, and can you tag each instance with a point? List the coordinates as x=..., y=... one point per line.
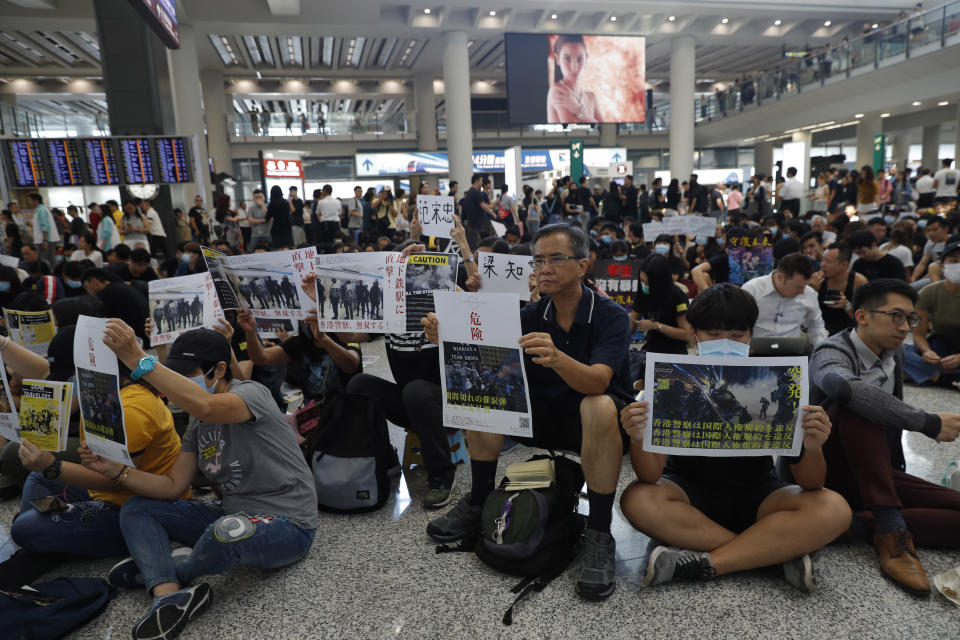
x=952, y=272
x=723, y=347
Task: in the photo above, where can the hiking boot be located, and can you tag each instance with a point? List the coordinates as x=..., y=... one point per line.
x=459, y=522
x=598, y=566
x=170, y=613
x=126, y=575
x=440, y=492
x=900, y=562
x=799, y=573
x=672, y=563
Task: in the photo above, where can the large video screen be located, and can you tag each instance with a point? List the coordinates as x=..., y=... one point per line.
x=571, y=79
x=27, y=163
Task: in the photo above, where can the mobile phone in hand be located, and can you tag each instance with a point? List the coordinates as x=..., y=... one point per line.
x=49, y=504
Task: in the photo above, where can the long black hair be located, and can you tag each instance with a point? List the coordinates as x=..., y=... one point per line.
x=660, y=281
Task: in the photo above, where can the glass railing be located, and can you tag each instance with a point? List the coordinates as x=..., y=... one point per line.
x=27, y=123
x=935, y=28
x=278, y=125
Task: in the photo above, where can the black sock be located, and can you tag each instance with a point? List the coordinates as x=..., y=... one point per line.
x=484, y=473
x=601, y=510
x=887, y=519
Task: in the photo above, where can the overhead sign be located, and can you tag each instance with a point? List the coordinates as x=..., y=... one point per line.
x=273, y=168
x=161, y=15
x=484, y=161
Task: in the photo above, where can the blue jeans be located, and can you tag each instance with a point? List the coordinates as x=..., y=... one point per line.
x=533, y=224
x=219, y=541
x=88, y=528
x=922, y=372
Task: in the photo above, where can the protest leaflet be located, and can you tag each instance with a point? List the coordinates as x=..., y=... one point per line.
x=750, y=254
x=98, y=387
x=180, y=304
x=484, y=381
x=436, y=215
x=9, y=420
x=505, y=273
x=619, y=279
x=268, y=284
x=725, y=406
x=31, y=329
x=45, y=413
x=681, y=226
x=273, y=328
x=426, y=273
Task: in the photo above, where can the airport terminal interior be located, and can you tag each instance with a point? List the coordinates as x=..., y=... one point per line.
x=613, y=200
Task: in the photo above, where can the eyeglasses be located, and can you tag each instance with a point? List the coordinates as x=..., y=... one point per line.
x=899, y=317
x=553, y=261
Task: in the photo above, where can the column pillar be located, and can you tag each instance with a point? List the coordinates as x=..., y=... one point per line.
x=931, y=147
x=608, y=135
x=426, y=111
x=188, y=115
x=215, y=116
x=762, y=159
x=868, y=126
x=803, y=168
x=956, y=142
x=900, y=149
x=456, y=80
x=682, y=85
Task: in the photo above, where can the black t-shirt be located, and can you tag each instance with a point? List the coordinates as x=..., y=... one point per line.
x=296, y=216
x=834, y=319
x=630, y=194
x=321, y=376
x=279, y=211
x=649, y=309
x=411, y=358
x=702, y=195
x=885, y=267
x=122, y=271
x=745, y=473
x=676, y=265
x=583, y=197
x=473, y=212
x=198, y=214
x=719, y=268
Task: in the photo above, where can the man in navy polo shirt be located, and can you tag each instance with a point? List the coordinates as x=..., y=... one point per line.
x=575, y=344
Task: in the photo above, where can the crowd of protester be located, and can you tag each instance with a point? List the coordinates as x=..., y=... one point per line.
x=861, y=263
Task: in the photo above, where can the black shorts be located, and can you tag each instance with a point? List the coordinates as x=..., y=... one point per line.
x=734, y=508
x=557, y=425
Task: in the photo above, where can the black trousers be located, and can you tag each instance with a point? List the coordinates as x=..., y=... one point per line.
x=418, y=406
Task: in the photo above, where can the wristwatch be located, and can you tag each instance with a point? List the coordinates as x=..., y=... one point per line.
x=53, y=471
x=145, y=366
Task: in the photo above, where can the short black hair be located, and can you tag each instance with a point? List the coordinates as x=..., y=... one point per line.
x=811, y=235
x=99, y=274
x=861, y=239
x=795, y=263
x=123, y=252
x=723, y=307
x=844, y=252
x=73, y=270
x=140, y=256
x=874, y=294
x=876, y=220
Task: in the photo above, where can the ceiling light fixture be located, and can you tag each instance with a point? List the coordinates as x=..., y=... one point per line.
x=875, y=26
x=884, y=115
x=916, y=103
x=827, y=23
x=777, y=22
x=553, y=16
x=492, y=12
x=426, y=11
x=259, y=76
x=672, y=18
x=943, y=103
x=724, y=20
x=858, y=115
x=613, y=18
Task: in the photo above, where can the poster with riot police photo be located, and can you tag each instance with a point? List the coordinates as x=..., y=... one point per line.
x=425, y=274
x=725, y=406
x=267, y=284
x=351, y=291
x=180, y=304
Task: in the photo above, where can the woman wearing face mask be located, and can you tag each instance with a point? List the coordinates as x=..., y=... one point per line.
x=191, y=261
x=935, y=356
x=238, y=439
x=704, y=248
x=660, y=309
x=669, y=247
x=10, y=285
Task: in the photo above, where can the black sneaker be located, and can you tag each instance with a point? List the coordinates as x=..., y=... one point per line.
x=126, y=575
x=799, y=573
x=672, y=563
x=170, y=613
x=457, y=523
x=598, y=566
x=440, y=492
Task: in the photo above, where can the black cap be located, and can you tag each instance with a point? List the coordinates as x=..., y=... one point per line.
x=195, y=348
x=949, y=248
x=60, y=354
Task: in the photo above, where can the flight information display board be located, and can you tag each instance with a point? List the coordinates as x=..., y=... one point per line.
x=137, y=161
x=27, y=163
x=65, y=163
x=174, y=166
x=101, y=161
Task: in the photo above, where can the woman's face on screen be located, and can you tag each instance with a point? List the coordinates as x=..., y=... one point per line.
x=571, y=57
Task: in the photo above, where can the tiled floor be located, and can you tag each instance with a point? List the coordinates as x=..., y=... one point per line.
x=377, y=575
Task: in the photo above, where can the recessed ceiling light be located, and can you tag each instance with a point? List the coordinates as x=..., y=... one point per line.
x=943, y=103
x=777, y=22
x=827, y=23
x=884, y=115
x=858, y=115
x=672, y=18
x=613, y=18
x=492, y=12
x=875, y=26
x=724, y=20
x=259, y=76
x=916, y=103
x=426, y=11
x=553, y=16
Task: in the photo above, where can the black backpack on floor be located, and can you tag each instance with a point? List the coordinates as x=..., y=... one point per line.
x=350, y=455
x=534, y=533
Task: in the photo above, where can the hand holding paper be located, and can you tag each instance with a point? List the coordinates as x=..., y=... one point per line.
x=541, y=347
x=121, y=339
x=816, y=428
x=34, y=458
x=633, y=417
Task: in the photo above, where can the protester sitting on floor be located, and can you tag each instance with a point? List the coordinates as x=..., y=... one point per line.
x=835, y=284
x=874, y=263
x=575, y=344
x=718, y=514
x=788, y=306
x=935, y=356
x=865, y=461
x=240, y=442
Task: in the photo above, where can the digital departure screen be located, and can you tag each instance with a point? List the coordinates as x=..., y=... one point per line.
x=65, y=162
x=137, y=161
x=28, y=169
x=101, y=161
x=172, y=155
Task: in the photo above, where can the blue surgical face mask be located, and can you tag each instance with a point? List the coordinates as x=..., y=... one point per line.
x=702, y=241
x=185, y=258
x=723, y=347
x=889, y=219
x=619, y=257
x=661, y=249
x=594, y=233
x=73, y=284
x=58, y=258
x=201, y=381
x=4, y=287
x=511, y=245
x=921, y=223
x=645, y=288
x=774, y=230
x=721, y=241
x=606, y=239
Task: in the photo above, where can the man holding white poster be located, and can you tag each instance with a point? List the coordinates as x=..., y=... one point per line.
x=436, y=215
x=713, y=515
x=575, y=347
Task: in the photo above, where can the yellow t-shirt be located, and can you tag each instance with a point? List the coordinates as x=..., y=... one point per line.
x=150, y=433
x=117, y=217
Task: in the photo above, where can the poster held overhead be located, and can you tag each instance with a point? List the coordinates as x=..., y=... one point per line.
x=725, y=406
x=180, y=304
x=98, y=387
x=484, y=380
x=267, y=284
x=436, y=215
x=31, y=329
x=505, y=273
